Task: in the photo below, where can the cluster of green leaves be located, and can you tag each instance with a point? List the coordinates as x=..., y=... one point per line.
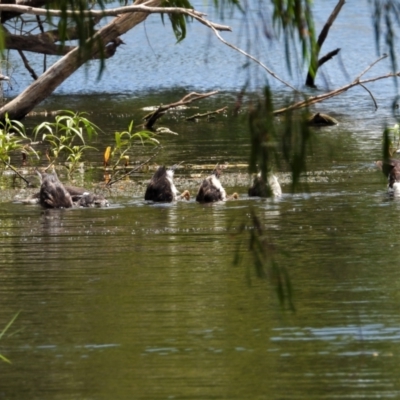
x=294, y=17
x=13, y=139
x=66, y=137
x=125, y=140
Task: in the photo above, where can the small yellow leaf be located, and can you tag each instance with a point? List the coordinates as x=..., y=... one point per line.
x=107, y=154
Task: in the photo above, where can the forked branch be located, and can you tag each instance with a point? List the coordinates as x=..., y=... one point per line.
x=357, y=82
x=161, y=110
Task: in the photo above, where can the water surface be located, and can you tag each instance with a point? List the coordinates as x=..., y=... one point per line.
x=144, y=301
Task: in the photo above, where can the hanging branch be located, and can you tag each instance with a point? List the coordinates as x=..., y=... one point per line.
x=314, y=65
x=372, y=96
x=161, y=110
x=27, y=66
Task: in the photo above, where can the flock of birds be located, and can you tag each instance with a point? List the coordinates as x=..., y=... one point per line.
x=161, y=188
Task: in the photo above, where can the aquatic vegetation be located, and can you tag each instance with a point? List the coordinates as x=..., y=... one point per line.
x=3, y=332
x=67, y=137
x=13, y=139
x=124, y=141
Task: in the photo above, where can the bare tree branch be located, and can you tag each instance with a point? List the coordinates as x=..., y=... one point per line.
x=161, y=110
x=207, y=114
x=372, y=96
x=317, y=99
x=370, y=66
x=113, y=12
x=251, y=58
x=111, y=182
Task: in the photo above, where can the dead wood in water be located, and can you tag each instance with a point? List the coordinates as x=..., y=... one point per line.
x=357, y=82
x=162, y=109
x=207, y=114
x=314, y=65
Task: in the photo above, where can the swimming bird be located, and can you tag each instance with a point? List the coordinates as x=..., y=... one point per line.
x=391, y=169
x=211, y=189
x=260, y=189
x=161, y=187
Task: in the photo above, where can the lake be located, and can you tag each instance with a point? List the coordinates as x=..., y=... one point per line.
x=144, y=301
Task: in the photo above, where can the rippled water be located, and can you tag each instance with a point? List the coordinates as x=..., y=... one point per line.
x=144, y=301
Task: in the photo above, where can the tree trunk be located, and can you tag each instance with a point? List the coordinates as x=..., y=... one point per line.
x=66, y=66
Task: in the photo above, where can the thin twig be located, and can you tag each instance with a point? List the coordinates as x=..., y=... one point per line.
x=12, y=168
x=198, y=115
x=251, y=58
x=333, y=93
x=370, y=66
x=161, y=110
x=111, y=182
x=27, y=66
x=372, y=96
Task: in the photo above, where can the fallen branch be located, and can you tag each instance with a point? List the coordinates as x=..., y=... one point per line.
x=207, y=114
x=111, y=182
x=161, y=110
x=317, y=99
x=14, y=170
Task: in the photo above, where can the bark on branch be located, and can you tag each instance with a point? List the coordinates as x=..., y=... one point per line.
x=189, y=98
x=114, y=12
x=207, y=114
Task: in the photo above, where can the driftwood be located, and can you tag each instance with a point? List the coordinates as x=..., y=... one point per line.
x=207, y=114
x=312, y=71
x=161, y=110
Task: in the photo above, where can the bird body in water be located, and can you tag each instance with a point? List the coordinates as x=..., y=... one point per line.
x=161, y=187
x=211, y=189
x=53, y=194
x=260, y=189
x=391, y=169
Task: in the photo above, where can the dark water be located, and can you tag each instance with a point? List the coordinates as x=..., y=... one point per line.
x=142, y=301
